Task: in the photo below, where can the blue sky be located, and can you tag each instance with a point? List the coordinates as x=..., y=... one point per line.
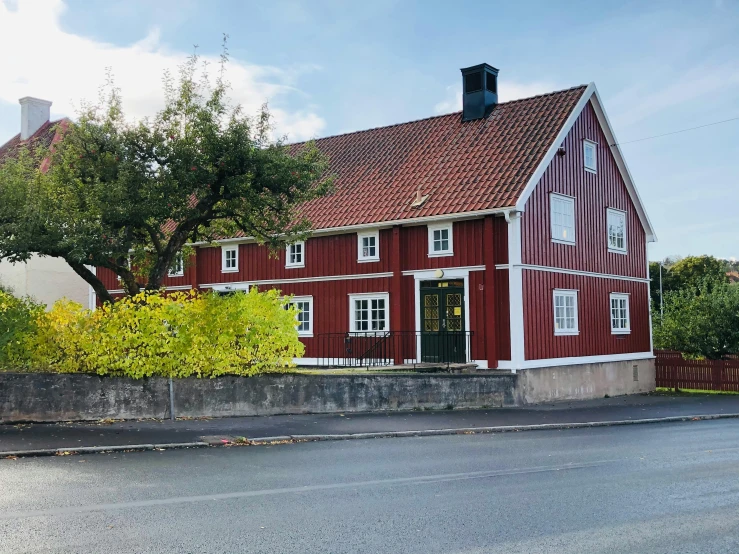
x=328, y=67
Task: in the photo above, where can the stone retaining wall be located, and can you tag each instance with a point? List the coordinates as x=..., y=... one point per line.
x=61, y=397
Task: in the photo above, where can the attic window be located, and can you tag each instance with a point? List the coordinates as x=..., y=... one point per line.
x=490, y=83
x=473, y=82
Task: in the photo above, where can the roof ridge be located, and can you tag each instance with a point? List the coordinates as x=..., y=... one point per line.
x=439, y=116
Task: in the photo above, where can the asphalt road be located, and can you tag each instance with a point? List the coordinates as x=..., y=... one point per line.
x=670, y=488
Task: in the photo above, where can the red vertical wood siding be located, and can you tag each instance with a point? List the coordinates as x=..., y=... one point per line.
x=111, y=282
x=324, y=256
x=331, y=304
x=500, y=240
x=594, y=317
x=503, y=315
x=467, y=246
x=594, y=193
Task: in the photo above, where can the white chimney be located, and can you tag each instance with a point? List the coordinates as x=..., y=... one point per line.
x=34, y=113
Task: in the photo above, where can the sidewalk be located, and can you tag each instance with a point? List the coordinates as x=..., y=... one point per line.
x=24, y=437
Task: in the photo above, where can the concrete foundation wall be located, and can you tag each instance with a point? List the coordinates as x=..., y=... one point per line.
x=50, y=397
x=43, y=397
x=585, y=381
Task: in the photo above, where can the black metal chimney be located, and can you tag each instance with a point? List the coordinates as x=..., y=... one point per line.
x=479, y=91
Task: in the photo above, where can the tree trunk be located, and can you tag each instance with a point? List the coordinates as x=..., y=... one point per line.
x=92, y=280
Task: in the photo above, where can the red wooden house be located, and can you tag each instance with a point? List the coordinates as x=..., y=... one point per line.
x=509, y=235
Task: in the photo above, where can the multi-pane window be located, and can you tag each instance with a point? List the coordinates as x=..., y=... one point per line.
x=230, y=259
x=177, y=269
x=565, y=312
x=589, y=155
x=369, y=313
x=563, y=218
x=616, y=230
x=369, y=246
x=620, y=322
x=440, y=240
x=304, y=305
x=295, y=254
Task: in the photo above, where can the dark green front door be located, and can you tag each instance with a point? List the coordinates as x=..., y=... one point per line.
x=443, y=335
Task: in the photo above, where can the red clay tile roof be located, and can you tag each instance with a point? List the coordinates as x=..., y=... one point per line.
x=462, y=166
x=44, y=137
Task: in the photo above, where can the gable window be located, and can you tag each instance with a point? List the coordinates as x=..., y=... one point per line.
x=563, y=218
x=616, y=230
x=369, y=246
x=565, y=312
x=177, y=269
x=620, y=321
x=441, y=240
x=229, y=259
x=304, y=305
x=589, y=156
x=369, y=312
x=295, y=254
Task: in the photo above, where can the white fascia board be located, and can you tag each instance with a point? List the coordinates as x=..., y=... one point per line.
x=559, y=139
x=590, y=94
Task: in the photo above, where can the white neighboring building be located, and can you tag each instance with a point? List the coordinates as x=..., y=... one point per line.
x=43, y=278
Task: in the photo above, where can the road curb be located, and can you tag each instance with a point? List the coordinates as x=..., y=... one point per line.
x=282, y=439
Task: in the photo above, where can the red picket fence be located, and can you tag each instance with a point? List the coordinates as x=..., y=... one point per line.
x=676, y=373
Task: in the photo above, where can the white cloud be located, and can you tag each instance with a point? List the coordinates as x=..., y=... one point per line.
x=507, y=91
x=639, y=102
x=41, y=59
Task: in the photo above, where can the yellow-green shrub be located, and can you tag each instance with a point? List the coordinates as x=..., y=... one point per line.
x=17, y=320
x=177, y=335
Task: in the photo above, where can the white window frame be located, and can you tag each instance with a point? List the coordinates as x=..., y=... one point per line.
x=441, y=227
x=567, y=293
x=369, y=296
x=179, y=260
x=301, y=263
x=616, y=213
x=309, y=300
x=553, y=198
x=586, y=144
x=360, y=247
x=224, y=257
x=619, y=330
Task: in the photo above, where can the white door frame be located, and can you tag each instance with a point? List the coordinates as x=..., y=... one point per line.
x=434, y=275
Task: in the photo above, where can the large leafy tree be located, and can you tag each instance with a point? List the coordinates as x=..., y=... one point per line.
x=700, y=320
x=689, y=272
x=129, y=196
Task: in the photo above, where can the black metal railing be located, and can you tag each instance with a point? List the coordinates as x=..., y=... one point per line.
x=386, y=348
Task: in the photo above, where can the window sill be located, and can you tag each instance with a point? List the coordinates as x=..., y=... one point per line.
x=565, y=242
x=440, y=254
x=566, y=333
x=176, y=276
x=594, y=171
x=305, y=335
x=617, y=251
x=294, y=266
x=230, y=270
x=367, y=260
x=621, y=332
